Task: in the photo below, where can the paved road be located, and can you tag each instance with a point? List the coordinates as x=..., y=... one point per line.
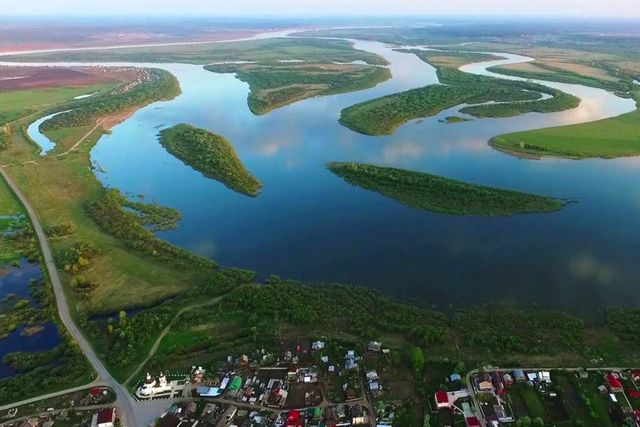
x=125, y=402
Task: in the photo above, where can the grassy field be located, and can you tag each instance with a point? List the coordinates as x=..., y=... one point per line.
x=255, y=50
x=608, y=138
x=433, y=193
x=60, y=190
x=382, y=116
x=575, y=75
x=276, y=85
x=15, y=104
x=210, y=154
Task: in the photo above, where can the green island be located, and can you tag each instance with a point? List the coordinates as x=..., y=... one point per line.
x=210, y=154
x=455, y=119
x=434, y=193
x=496, y=98
x=275, y=85
x=609, y=138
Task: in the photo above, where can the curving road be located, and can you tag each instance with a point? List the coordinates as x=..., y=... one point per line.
x=124, y=402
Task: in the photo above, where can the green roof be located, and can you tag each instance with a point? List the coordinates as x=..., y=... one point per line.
x=236, y=383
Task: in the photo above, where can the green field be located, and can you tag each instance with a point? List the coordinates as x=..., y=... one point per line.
x=608, y=138
x=210, y=154
x=255, y=50
x=15, y=104
x=433, y=193
x=276, y=85
x=382, y=116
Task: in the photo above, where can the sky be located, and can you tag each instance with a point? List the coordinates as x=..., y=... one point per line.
x=226, y=8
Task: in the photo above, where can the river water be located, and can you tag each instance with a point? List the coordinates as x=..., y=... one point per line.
x=308, y=224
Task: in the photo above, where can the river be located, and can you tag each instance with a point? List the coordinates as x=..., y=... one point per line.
x=310, y=225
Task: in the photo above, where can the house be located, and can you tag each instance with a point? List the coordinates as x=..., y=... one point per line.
x=294, y=419
x=375, y=346
x=442, y=400
x=532, y=376
x=614, y=382
x=508, y=380
x=545, y=376
x=317, y=346
x=472, y=422
x=455, y=377
x=603, y=389
x=518, y=374
x=106, y=417
x=31, y=422
x=485, y=386
x=635, y=375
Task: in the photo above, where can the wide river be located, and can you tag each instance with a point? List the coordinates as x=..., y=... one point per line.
x=310, y=225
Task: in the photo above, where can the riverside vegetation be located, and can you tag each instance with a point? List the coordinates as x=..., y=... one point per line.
x=382, y=116
x=36, y=372
x=210, y=154
x=433, y=193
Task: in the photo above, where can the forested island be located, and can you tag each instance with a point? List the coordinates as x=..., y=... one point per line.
x=210, y=154
x=276, y=85
x=434, y=193
x=494, y=98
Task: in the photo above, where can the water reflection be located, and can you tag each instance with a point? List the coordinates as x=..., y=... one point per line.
x=311, y=225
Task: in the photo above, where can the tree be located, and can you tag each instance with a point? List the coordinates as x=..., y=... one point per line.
x=538, y=422
x=417, y=359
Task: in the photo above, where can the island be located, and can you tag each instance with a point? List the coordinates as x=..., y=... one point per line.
x=438, y=194
x=210, y=154
x=485, y=96
x=283, y=83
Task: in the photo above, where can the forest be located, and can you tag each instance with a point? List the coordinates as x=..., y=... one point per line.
x=210, y=154
x=434, y=193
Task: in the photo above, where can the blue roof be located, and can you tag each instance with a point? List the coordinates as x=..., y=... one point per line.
x=455, y=377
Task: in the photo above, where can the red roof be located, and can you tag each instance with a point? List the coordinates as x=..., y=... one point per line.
x=106, y=415
x=293, y=419
x=472, y=422
x=634, y=393
x=442, y=397
x=95, y=391
x=635, y=374
x=613, y=381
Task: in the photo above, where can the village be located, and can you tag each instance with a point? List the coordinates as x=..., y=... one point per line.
x=319, y=383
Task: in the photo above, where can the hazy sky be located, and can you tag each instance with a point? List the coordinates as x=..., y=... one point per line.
x=575, y=8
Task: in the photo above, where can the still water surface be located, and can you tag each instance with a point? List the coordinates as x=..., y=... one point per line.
x=308, y=224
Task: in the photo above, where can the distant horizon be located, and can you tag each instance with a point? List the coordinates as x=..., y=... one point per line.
x=574, y=9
